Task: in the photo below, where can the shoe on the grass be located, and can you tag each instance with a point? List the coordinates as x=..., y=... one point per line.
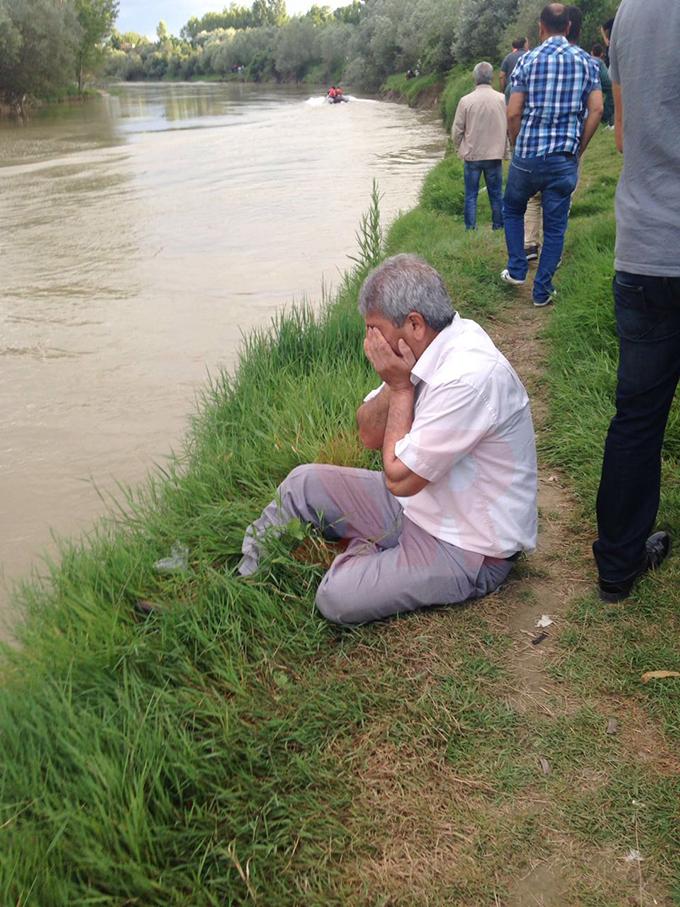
x=657, y=548
x=507, y=277
x=541, y=303
x=532, y=252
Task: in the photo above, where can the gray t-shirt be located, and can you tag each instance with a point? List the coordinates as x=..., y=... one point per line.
x=507, y=67
x=643, y=59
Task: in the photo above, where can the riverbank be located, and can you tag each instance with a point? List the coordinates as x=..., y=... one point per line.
x=69, y=96
x=431, y=91
x=234, y=748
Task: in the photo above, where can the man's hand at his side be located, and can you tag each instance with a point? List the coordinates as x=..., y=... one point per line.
x=394, y=368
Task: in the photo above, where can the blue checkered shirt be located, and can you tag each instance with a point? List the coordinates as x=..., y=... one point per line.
x=556, y=78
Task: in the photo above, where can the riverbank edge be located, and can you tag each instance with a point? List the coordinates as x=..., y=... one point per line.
x=65, y=98
x=83, y=650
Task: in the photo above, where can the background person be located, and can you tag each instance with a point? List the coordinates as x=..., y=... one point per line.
x=646, y=291
x=533, y=218
x=555, y=107
x=479, y=134
x=456, y=499
x=519, y=48
x=606, y=82
x=605, y=31
x=575, y=24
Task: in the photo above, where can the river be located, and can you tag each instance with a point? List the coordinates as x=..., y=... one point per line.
x=140, y=234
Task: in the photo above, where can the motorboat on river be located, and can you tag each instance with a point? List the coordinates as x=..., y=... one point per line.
x=336, y=96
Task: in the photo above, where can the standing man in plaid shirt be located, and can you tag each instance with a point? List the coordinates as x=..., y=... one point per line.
x=555, y=107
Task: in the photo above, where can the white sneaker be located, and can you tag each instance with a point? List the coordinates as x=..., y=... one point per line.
x=548, y=301
x=508, y=278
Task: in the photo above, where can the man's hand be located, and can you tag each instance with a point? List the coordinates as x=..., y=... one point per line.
x=394, y=369
x=514, y=113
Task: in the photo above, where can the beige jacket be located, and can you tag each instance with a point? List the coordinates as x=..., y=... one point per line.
x=480, y=129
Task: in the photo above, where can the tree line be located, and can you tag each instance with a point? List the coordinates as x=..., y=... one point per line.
x=361, y=43
x=49, y=46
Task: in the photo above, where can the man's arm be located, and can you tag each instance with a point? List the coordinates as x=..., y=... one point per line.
x=458, y=128
x=515, y=110
x=400, y=480
x=595, y=109
x=372, y=419
x=618, y=115
x=503, y=79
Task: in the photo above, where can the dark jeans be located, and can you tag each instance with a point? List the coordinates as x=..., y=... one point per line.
x=648, y=325
x=555, y=176
x=493, y=177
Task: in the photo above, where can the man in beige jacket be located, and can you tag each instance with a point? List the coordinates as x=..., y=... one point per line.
x=479, y=136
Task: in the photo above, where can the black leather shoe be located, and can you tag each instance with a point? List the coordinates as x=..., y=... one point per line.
x=657, y=548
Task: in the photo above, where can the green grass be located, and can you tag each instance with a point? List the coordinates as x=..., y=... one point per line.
x=412, y=90
x=235, y=748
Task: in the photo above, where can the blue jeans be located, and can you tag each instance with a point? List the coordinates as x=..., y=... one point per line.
x=648, y=325
x=493, y=177
x=555, y=176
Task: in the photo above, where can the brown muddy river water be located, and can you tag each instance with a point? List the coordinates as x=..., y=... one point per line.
x=140, y=235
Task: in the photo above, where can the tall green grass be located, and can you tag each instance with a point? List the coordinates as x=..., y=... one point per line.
x=458, y=83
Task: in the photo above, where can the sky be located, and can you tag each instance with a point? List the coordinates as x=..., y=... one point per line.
x=143, y=15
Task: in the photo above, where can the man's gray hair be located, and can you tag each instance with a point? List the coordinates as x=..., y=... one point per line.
x=483, y=73
x=404, y=284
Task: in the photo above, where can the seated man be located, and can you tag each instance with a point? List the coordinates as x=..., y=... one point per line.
x=455, y=502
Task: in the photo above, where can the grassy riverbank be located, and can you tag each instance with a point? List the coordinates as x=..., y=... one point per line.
x=234, y=748
x=434, y=90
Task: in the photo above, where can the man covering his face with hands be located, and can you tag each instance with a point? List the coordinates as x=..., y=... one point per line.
x=455, y=501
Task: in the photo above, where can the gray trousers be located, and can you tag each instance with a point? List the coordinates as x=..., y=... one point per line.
x=390, y=566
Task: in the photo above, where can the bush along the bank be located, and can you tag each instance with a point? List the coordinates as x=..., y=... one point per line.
x=47, y=47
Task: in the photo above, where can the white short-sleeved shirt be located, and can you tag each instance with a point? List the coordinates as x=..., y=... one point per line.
x=473, y=439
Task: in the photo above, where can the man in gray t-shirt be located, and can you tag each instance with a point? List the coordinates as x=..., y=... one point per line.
x=643, y=57
x=519, y=48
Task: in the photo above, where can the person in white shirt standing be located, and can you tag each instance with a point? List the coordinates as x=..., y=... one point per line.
x=455, y=502
x=479, y=136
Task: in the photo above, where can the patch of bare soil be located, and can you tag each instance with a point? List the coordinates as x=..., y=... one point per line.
x=421, y=823
x=560, y=568
x=605, y=877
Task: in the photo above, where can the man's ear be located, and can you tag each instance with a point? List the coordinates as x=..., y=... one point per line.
x=417, y=324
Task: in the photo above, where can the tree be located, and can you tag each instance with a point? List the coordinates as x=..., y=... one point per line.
x=334, y=42
x=480, y=26
x=96, y=18
x=319, y=15
x=269, y=12
x=38, y=46
x=233, y=16
x=427, y=33
x=350, y=14
x=296, y=49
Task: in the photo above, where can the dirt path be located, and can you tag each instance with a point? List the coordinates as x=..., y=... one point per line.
x=431, y=834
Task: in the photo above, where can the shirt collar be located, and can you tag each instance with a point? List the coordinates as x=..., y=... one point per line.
x=556, y=39
x=424, y=368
